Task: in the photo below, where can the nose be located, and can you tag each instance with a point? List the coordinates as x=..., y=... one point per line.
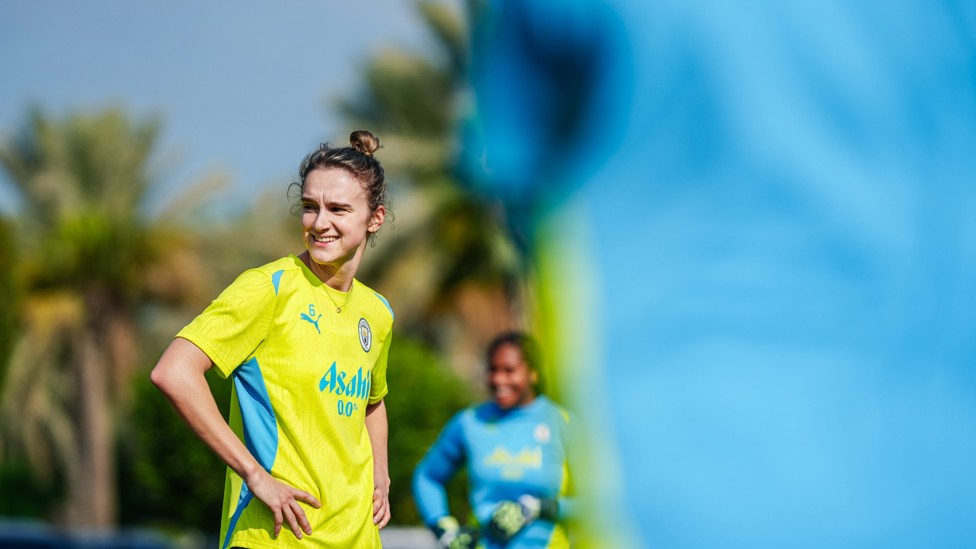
x=494, y=377
x=322, y=220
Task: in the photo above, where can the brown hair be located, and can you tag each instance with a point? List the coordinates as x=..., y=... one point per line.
x=531, y=353
x=357, y=159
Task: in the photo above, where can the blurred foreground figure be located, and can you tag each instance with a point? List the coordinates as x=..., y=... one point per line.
x=755, y=232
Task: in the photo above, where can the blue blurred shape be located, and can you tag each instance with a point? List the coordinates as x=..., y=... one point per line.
x=29, y=535
x=761, y=217
x=21, y=534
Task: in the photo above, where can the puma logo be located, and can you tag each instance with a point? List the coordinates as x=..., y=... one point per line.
x=308, y=318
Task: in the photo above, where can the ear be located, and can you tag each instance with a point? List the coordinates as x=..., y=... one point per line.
x=376, y=219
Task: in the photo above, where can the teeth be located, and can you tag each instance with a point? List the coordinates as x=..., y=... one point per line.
x=325, y=239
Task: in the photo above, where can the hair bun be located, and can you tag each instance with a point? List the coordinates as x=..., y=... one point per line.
x=364, y=142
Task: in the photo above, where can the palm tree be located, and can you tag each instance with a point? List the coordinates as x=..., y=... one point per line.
x=90, y=257
x=450, y=266
x=7, y=292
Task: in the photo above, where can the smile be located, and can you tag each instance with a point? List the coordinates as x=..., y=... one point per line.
x=325, y=239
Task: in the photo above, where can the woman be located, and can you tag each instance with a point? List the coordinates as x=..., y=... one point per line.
x=515, y=448
x=306, y=346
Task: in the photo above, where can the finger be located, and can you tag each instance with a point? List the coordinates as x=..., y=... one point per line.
x=385, y=519
x=388, y=514
x=381, y=509
x=302, y=519
x=377, y=504
x=277, y=523
x=292, y=522
x=307, y=498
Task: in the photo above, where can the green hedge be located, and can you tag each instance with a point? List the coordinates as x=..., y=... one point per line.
x=424, y=394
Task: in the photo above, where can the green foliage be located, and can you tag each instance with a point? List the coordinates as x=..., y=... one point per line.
x=424, y=394
x=89, y=260
x=448, y=242
x=168, y=476
x=35, y=498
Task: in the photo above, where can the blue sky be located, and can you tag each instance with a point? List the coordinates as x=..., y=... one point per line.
x=243, y=87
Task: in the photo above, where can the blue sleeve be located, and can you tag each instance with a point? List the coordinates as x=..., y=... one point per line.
x=568, y=505
x=441, y=462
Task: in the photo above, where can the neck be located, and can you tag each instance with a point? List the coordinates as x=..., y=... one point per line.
x=338, y=278
x=521, y=404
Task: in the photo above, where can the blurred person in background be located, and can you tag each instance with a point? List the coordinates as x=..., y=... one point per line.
x=515, y=449
x=754, y=226
x=305, y=345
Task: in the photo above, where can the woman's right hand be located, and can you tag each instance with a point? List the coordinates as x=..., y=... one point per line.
x=180, y=375
x=282, y=500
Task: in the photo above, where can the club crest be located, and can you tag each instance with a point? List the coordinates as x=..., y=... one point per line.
x=542, y=434
x=365, y=335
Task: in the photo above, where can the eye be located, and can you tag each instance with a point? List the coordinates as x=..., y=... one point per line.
x=308, y=207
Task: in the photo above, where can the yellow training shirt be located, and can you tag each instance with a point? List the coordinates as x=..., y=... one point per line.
x=303, y=374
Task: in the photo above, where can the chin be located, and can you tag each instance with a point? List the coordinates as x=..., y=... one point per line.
x=321, y=257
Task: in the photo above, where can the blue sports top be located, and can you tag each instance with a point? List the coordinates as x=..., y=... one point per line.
x=509, y=453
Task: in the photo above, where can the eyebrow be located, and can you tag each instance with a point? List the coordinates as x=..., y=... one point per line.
x=328, y=203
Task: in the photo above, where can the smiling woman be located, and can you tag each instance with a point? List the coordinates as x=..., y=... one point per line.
x=339, y=212
x=307, y=422
x=516, y=448
x=513, y=371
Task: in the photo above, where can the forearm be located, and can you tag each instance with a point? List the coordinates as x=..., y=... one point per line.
x=378, y=430
x=430, y=497
x=180, y=376
x=435, y=470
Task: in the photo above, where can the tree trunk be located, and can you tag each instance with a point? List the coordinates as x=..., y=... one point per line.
x=91, y=498
x=122, y=352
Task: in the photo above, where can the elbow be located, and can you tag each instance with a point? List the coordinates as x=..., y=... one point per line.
x=167, y=372
x=159, y=378
x=415, y=477
x=164, y=377
x=421, y=479
x=415, y=488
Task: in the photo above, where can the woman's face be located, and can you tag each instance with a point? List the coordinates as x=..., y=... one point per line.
x=336, y=218
x=510, y=381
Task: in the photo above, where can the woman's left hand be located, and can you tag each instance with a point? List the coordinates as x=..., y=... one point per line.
x=381, y=503
x=378, y=429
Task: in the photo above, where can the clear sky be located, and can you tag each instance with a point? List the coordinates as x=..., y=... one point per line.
x=244, y=88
